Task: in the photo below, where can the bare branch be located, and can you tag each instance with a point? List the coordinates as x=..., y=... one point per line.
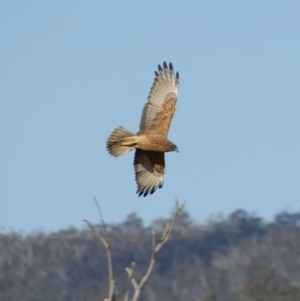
x=96, y=233
x=106, y=242
x=126, y=296
x=155, y=249
x=130, y=273
x=100, y=214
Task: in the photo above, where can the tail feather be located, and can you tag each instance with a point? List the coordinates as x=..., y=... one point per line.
x=120, y=142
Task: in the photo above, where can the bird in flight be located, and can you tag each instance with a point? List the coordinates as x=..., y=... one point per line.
x=151, y=142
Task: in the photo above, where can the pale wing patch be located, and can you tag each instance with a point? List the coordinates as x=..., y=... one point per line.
x=165, y=86
x=149, y=171
x=160, y=124
x=149, y=113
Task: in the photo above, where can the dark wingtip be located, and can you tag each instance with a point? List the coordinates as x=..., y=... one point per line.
x=141, y=193
x=171, y=66
x=165, y=65
x=160, y=68
x=145, y=192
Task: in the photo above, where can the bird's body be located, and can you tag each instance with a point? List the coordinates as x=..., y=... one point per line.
x=147, y=143
x=151, y=142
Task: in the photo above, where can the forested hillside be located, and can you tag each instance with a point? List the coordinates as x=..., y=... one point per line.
x=239, y=258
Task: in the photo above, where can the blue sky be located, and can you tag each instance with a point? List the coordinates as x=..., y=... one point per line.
x=72, y=71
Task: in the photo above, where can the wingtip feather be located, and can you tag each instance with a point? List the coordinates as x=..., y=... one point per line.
x=177, y=78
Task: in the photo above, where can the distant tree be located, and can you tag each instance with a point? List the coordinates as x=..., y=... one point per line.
x=234, y=258
x=211, y=296
x=268, y=286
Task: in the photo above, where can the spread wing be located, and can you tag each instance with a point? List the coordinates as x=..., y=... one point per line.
x=149, y=171
x=159, y=110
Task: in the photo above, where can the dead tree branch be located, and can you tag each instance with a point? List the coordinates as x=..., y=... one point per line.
x=126, y=296
x=155, y=249
x=106, y=242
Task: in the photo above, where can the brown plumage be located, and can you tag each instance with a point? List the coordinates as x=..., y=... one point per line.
x=151, y=142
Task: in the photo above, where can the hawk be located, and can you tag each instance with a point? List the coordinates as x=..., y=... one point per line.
x=151, y=142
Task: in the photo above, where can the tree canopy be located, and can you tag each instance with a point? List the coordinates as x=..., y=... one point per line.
x=240, y=258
